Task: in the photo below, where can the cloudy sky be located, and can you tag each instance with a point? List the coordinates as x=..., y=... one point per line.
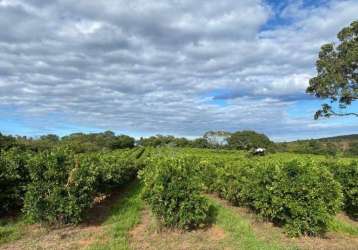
x=178, y=67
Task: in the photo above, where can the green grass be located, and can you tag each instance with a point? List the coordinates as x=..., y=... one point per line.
x=241, y=233
x=123, y=217
x=11, y=230
x=126, y=214
x=340, y=226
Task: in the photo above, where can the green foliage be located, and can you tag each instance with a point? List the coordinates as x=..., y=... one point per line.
x=353, y=148
x=313, y=146
x=161, y=141
x=13, y=179
x=299, y=195
x=208, y=174
x=114, y=169
x=81, y=143
x=233, y=183
x=337, y=77
x=63, y=185
x=347, y=175
x=248, y=140
x=122, y=141
x=60, y=188
x=200, y=143
x=7, y=141
x=173, y=191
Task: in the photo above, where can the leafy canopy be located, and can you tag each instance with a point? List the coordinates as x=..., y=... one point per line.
x=248, y=140
x=337, y=73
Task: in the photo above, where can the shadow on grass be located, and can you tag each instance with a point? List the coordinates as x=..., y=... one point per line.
x=101, y=211
x=121, y=215
x=11, y=228
x=212, y=217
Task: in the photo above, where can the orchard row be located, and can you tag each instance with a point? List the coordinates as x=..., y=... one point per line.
x=300, y=193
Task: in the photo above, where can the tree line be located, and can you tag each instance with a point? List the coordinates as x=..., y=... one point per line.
x=240, y=140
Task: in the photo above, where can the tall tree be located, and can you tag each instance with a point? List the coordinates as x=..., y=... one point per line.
x=337, y=74
x=248, y=140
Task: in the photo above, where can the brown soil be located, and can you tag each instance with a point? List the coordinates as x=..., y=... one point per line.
x=271, y=233
x=64, y=238
x=150, y=236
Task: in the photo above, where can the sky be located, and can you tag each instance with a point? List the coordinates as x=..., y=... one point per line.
x=178, y=67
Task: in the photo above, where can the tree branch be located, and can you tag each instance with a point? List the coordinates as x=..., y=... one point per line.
x=343, y=114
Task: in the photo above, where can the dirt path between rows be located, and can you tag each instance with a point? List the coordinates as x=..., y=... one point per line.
x=269, y=233
x=148, y=235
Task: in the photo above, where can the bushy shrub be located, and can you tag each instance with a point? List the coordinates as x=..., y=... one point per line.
x=208, y=171
x=299, y=195
x=60, y=189
x=63, y=185
x=115, y=169
x=233, y=181
x=13, y=179
x=172, y=189
x=347, y=175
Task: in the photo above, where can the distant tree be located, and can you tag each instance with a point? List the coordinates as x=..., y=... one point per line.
x=50, y=137
x=282, y=146
x=122, y=141
x=248, y=140
x=331, y=149
x=337, y=78
x=107, y=140
x=315, y=147
x=162, y=141
x=7, y=141
x=181, y=142
x=200, y=143
x=157, y=141
x=353, y=148
x=109, y=133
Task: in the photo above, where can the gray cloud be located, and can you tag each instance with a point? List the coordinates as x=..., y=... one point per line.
x=162, y=66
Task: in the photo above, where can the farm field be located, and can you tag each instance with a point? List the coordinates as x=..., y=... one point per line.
x=179, y=125
x=170, y=198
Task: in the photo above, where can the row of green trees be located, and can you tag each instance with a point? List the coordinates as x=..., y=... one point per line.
x=57, y=186
x=298, y=195
x=243, y=140
x=302, y=195
x=173, y=190
x=77, y=142
x=14, y=177
x=320, y=147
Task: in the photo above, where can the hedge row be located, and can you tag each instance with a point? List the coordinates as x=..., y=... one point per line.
x=13, y=179
x=64, y=185
x=347, y=176
x=299, y=195
x=172, y=189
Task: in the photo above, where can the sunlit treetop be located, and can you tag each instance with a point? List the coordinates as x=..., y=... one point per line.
x=337, y=74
